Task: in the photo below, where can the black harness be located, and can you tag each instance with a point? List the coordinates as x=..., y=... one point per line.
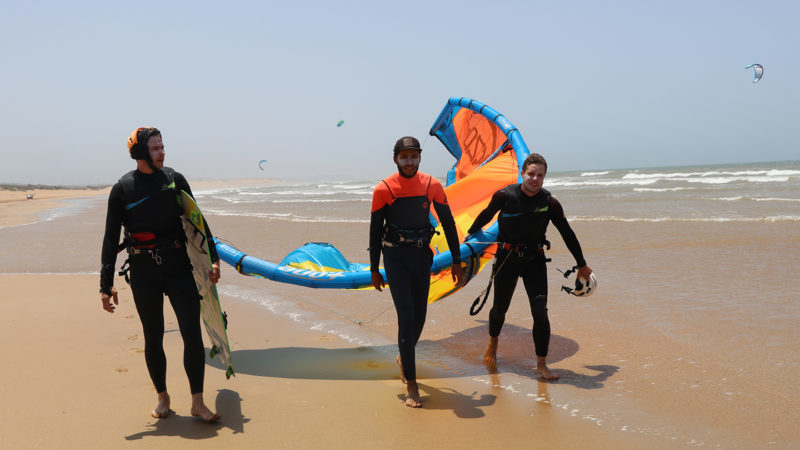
x=398, y=237
x=518, y=250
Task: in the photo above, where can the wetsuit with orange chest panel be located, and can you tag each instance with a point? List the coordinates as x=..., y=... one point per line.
x=401, y=229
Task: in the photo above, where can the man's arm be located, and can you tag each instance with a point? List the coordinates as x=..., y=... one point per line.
x=439, y=200
x=376, y=223
x=560, y=222
x=108, y=254
x=450, y=230
x=497, y=201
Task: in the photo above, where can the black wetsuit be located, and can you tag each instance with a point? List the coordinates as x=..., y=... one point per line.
x=522, y=225
x=401, y=206
x=147, y=205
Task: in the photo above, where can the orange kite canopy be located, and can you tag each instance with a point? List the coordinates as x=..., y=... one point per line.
x=489, y=151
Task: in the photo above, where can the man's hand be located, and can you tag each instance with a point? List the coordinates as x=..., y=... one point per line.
x=457, y=273
x=584, y=272
x=106, y=299
x=377, y=281
x=215, y=273
x=472, y=236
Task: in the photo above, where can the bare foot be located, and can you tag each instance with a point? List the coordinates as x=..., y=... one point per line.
x=402, y=375
x=199, y=409
x=490, y=357
x=162, y=409
x=543, y=370
x=412, y=399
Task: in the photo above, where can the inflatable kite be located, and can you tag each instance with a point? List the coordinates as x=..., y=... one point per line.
x=489, y=151
x=758, y=71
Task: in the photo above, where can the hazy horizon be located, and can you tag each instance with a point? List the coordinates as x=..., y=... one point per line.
x=441, y=176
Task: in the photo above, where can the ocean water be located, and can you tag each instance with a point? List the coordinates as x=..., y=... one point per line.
x=742, y=192
x=695, y=317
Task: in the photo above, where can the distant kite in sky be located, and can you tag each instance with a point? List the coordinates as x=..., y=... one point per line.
x=340, y=123
x=260, y=164
x=758, y=71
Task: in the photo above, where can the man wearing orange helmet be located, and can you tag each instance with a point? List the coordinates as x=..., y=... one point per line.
x=145, y=202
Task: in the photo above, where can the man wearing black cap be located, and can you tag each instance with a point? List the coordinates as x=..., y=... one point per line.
x=145, y=202
x=400, y=228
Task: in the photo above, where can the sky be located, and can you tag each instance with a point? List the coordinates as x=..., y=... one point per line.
x=591, y=85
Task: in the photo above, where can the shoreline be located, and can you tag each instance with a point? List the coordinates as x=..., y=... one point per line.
x=16, y=209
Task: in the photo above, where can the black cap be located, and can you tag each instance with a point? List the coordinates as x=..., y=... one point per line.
x=406, y=142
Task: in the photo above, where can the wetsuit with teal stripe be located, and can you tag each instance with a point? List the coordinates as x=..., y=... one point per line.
x=147, y=204
x=522, y=222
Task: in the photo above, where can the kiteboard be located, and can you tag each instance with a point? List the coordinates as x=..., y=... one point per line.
x=210, y=310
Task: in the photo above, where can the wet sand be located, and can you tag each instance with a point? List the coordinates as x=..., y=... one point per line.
x=76, y=379
x=17, y=209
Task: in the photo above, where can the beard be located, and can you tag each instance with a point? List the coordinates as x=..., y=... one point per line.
x=403, y=173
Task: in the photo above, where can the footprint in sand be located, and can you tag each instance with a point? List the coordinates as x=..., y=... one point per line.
x=133, y=338
x=121, y=369
x=325, y=337
x=129, y=316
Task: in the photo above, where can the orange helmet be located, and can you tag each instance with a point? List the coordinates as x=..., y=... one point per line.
x=137, y=142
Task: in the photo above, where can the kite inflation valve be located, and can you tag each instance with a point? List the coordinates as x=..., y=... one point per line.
x=583, y=288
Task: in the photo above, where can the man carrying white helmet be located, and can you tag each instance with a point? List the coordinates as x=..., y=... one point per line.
x=525, y=211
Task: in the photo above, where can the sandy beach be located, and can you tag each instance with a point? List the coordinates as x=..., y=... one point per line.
x=17, y=209
x=76, y=376
x=79, y=381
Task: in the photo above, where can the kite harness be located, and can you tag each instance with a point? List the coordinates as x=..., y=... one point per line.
x=394, y=236
x=521, y=250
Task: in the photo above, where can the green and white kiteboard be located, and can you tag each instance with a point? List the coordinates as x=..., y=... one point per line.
x=210, y=310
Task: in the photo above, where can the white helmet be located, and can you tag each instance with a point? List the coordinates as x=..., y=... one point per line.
x=582, y=287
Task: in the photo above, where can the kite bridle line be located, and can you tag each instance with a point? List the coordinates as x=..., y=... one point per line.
x=362, y=322
x=485, y=292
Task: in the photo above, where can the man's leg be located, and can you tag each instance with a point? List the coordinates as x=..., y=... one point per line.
x=535, y=281
x=185, y=300
x=505, y=281
x=401, y=278
x=149, y=300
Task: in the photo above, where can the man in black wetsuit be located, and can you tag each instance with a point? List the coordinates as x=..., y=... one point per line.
x=525, y=210
x=400, y=227
x=145, y=201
